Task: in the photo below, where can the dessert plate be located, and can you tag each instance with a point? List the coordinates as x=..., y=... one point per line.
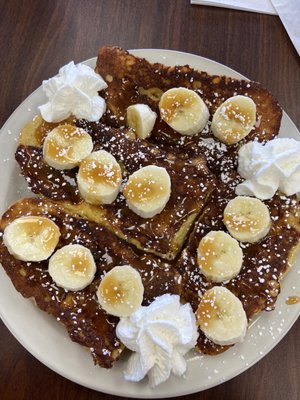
x=43, y=337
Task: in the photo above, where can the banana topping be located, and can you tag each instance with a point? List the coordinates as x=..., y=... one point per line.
x=148, y=190
x=234, y=119
x=31, y=238
x=247, y=219
x=72, y=267
x=184, y=110
x=141, y=118
x=221, y=316
x=220, y=257
x=99, y=178
x=121, y=291
x=66, y=146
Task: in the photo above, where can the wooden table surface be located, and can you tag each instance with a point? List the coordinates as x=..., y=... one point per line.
x=37, y=37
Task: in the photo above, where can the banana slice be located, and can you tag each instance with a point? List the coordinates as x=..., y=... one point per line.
x=184, y=110
x=141, y=118
x=72, y=267
x=219, y=256
x=31, y=238
x=66, y=146
x=99, y=178
x=247, y=219
x=121, y=291
x=221, y=316
x=148, y=190
x=234, y=119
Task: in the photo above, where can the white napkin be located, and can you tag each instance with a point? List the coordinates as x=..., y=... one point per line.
x=289, y=13
x=261, y=6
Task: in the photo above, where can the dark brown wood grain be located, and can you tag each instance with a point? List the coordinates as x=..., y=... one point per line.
x=39, y=36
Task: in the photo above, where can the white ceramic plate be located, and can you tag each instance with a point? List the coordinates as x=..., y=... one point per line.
x=48, y=341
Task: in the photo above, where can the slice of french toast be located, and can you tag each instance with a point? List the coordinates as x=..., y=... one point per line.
x=86, y=322
x=264, y=263
x=133, y=80
x=165, y=233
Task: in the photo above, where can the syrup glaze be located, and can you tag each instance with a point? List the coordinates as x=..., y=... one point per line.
x=264, y=264
x=191, y=185
x=80, y=311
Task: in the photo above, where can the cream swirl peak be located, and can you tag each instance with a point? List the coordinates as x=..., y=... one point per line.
x=74, y=91
x=159, y=335
x=269, y=167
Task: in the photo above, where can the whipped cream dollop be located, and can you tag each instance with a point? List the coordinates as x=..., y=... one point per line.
x=73, y=91
x=269, y=167
x=159, y=335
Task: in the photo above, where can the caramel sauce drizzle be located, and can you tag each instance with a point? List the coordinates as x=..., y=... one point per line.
x=206, y=254
x=79, y=264
x=173, y=105
x=142, y=190
x=292, y=300
x=236, y=113
x=100, y=173
x=42, y=227
x=112, y=291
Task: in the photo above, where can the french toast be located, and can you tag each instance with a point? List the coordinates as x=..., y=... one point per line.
x=264, y=263
x=133, y=80
x=163, y=234
x=203, y=174
x=86, y=322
